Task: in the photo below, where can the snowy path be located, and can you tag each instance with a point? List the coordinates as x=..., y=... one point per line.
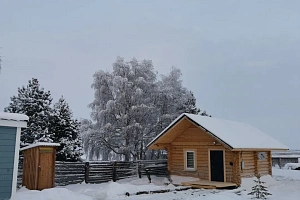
x=285, y=184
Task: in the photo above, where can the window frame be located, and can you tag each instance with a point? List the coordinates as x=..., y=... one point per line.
x=186, y=168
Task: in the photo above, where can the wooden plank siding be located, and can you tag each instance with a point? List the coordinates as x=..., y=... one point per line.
x=46, y=167
x=7, y=154
x=31, y=167
x=102, y=171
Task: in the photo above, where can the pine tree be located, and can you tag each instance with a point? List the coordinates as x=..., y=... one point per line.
x=259, y=190
x=34, y=102
x=189, y=106
x=65, y=132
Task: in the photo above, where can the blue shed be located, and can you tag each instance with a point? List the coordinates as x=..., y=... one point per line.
x=10, y=131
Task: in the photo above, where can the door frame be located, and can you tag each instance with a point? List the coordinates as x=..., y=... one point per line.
x=224, y=163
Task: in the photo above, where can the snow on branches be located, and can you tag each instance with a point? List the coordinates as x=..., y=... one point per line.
x=47, y=123
x=131, y=106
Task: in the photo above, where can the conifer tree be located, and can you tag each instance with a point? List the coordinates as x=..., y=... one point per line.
x=190, y=105
x=47, y=124
x=34, y=102
x=259, y=191
x=65, y=132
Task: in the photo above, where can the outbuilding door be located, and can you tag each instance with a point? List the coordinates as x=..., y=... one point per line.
x=46, y=166
x=216, y=165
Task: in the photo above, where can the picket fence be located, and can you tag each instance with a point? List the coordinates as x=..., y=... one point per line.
x=103, y=171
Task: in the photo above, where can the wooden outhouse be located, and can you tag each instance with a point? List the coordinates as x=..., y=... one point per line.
x=216, y=150
x=10, y=131
x=39, y=165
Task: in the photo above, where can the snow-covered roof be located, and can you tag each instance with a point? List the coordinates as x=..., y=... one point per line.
x=40, y=144
x=235, y=134
x=286, y=156
x=13, y=119
x=13, y=116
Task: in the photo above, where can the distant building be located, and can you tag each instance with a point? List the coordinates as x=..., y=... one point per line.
x=281, y=158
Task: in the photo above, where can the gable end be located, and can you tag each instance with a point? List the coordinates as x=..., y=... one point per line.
x=210, y=133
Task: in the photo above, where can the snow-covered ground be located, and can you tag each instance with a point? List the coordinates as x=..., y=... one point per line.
x=285, y=184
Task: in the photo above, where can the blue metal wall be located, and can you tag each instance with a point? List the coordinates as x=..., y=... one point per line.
x=7, y=154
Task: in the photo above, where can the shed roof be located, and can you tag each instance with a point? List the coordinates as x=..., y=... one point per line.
x=13, y=119
x=40, y=144
x=235, y=134
x=13, y=116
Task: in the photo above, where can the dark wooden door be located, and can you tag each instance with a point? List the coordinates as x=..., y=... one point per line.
x=46, y=168
x=216, y=166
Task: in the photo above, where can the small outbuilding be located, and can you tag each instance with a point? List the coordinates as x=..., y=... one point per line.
x=217, y=150
x=39, y=165
x=10, y=131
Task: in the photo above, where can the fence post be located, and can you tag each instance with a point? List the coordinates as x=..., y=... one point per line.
x=114, y=174
x=139, y=169
x=279, y=162
x=86, y=172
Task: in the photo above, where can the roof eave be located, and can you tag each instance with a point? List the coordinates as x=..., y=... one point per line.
x=260, y=149
x=13, y=123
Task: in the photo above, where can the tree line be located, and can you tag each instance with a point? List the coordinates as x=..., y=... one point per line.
x=132, y=104
x=47, y=122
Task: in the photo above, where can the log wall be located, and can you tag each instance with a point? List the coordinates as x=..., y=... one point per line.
x=199, y=141
x=253, y=166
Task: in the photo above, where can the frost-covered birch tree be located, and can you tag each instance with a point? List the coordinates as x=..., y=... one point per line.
x=123, y=107
x=132, y=106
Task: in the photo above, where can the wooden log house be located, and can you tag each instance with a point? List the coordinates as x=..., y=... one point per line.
x=215, y=150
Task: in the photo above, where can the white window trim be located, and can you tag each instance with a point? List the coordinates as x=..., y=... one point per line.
x=185, y=160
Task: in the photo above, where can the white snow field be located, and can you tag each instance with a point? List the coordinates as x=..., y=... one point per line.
x=285, y=184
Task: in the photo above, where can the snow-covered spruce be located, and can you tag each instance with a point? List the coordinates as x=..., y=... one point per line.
x=34, y=102
x=259, y=191
x=47, y=123
x=65, y=132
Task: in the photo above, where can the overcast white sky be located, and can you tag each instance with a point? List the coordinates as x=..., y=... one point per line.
x=241, y=59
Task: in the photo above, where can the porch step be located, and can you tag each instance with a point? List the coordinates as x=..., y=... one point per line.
x=209, y=184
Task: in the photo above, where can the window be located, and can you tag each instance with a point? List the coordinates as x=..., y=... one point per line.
x=190, y=160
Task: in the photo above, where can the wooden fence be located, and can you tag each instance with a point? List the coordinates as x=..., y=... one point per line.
x=103, y=171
